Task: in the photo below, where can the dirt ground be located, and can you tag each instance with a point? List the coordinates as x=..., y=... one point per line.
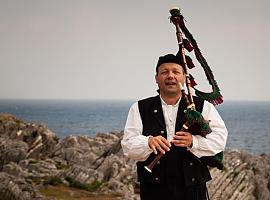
x=61, y=192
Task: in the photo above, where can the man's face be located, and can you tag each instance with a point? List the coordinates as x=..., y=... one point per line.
x=168, y=77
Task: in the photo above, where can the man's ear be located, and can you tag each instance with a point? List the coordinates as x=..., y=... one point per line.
x=156, y=78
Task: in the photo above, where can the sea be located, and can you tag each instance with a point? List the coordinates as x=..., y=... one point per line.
x=248, y=123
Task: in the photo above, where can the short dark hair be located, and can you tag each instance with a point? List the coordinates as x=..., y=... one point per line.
x=169, y=58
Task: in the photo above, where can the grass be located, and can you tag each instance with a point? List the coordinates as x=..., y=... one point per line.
x=88, y=187
x=53, y=181
x=61, y=166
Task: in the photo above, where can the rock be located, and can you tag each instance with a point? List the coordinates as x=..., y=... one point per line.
x=40, y=168
x=15, y=170
x=99, y=159
x=85, y=150
x=11, y=151
x=31, y=156
x=34, y=141
x=82, y=174
x=245, y=176
x=14, y=188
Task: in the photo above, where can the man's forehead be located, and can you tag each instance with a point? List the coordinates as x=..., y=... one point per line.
x=170, y=65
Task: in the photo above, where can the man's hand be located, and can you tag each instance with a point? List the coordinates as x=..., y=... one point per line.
x=159, y=143
x=182, y=139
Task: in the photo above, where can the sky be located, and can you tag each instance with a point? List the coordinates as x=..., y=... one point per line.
x=97, y=49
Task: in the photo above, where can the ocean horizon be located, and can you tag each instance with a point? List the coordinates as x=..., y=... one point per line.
x=248, y=122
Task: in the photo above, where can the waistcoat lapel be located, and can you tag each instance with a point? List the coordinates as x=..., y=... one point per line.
x=158, y=112
x=180, y=115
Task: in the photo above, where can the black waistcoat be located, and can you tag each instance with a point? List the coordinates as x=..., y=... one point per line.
x=178, y=165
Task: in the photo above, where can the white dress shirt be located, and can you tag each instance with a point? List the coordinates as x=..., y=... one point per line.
x=135, y=145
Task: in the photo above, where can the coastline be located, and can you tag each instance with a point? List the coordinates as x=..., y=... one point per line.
x=34, y=162
x=247, y=122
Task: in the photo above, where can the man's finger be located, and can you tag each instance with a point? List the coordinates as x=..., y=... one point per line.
x=158, y=146
x=180, y=133
x=160, y=149
x=176, y=137
x=153, y=148
x=179, y=143
x=164, y=145
x=151, y=143
x=159, y=143
x=165, y=141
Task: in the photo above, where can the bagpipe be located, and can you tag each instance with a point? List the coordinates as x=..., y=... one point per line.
x=194, y=121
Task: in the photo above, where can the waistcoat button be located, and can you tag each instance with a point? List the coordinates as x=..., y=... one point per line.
x=193, y=179
x=191, y=164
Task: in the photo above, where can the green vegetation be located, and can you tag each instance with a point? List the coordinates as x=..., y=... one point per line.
x=60, y=166
x=84, y=186
x=33, y=161
x=36, y=180
x=53, y=181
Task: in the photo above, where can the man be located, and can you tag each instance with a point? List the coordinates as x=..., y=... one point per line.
x=153, y=126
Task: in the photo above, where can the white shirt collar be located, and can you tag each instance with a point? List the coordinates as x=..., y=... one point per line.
x=165, y=104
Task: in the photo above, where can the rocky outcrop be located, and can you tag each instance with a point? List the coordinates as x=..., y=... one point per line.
x=31, y=157
x=20, y=140
x=245, y=177
x=98, y=160
x=14, y=188
x=33, y=154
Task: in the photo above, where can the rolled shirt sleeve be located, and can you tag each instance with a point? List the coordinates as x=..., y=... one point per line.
x=134, y=144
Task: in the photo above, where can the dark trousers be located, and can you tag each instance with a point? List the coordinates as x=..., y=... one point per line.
x=153, y=191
